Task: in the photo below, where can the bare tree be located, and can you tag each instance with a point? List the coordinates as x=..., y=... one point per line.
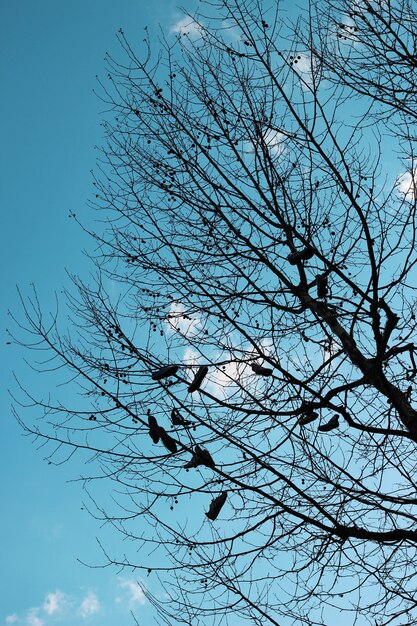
x=245, y=352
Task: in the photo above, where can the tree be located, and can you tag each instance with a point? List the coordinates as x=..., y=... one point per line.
x=246, y=349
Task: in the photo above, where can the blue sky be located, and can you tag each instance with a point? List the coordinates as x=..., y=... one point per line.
x=50, y=54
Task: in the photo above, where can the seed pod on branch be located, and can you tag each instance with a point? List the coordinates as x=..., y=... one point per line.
x=201, y=456
x=164, y=372
x=330, y=425
x=259, y=370
x=198, y=378
x=216, y=506
x=307, y=417
x=167, y=440
x=322, y=285
x=300, y=255
x=154, y=429
x=177, y=420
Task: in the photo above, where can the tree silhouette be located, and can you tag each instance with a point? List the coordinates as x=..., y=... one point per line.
x=246, y=348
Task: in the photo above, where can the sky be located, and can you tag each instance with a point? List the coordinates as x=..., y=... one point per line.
x=50, y=53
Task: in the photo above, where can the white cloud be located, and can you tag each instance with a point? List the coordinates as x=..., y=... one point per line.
x=56, y=605
x=362, y=4
x=267, y=346
x=305, y=66
x=226, y=380
x=407, y=184
x=133, y=592
x=187, y=26
x=272, y=138
x=54, y=602
x=33, y=619
x=222, y=380
x=179, y=319
x=345, y=31
x=191, y=356
x=90, y=605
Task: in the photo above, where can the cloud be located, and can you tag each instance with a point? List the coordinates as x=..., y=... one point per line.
x=306, y=67
x=54, y=602
x=222, y=381
x=89, y=606
x=329, y=350
x=191, y=356
x=407, y=184
x=187, y=26
x=236, y=373
x=56, y=605
x=273, y=139
x=133, y=595
x=345, y=31
x=267, y=346
x=179, y=319
x=33, y=619
x=363, y=4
